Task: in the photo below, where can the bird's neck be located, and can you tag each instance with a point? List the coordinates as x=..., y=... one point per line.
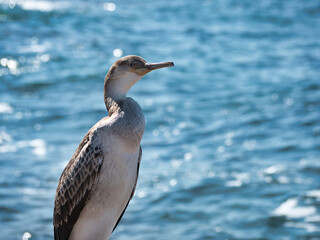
x=114, y=105
x=116, y=88
x=113, y=99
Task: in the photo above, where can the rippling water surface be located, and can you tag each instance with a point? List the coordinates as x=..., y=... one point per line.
x=232, y=139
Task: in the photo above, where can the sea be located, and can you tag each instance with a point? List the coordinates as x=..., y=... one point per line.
x=231, y=148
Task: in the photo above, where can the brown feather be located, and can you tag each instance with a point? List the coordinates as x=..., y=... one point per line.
x=75, y=185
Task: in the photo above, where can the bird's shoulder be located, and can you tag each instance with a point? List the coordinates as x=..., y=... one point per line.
x=88, y=145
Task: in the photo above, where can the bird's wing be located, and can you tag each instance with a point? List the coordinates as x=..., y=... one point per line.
x=75, y=185
x=134, y=188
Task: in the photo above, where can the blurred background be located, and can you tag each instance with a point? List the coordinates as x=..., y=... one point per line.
x=232, y=138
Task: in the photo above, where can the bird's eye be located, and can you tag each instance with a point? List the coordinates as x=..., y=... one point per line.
x=130, y=64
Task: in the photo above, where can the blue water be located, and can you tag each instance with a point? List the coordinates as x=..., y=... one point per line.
x=232, y=138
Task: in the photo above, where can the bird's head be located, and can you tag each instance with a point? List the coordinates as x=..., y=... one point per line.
x=125, y=72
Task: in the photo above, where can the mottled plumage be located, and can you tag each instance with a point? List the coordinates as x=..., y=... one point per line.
x=75, y=185
x=97, y=184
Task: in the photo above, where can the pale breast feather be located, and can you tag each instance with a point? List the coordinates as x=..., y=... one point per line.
x=133, y=190
x=75, y=185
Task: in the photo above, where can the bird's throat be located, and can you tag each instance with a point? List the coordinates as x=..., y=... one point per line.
x=116, y=88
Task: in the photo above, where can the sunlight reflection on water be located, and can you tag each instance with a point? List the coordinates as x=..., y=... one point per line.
x=231, y=144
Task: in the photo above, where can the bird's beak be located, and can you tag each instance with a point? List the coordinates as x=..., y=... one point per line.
x=148, y=67
x=154, y=66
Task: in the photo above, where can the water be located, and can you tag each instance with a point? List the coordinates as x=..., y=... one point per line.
x=232, y=139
